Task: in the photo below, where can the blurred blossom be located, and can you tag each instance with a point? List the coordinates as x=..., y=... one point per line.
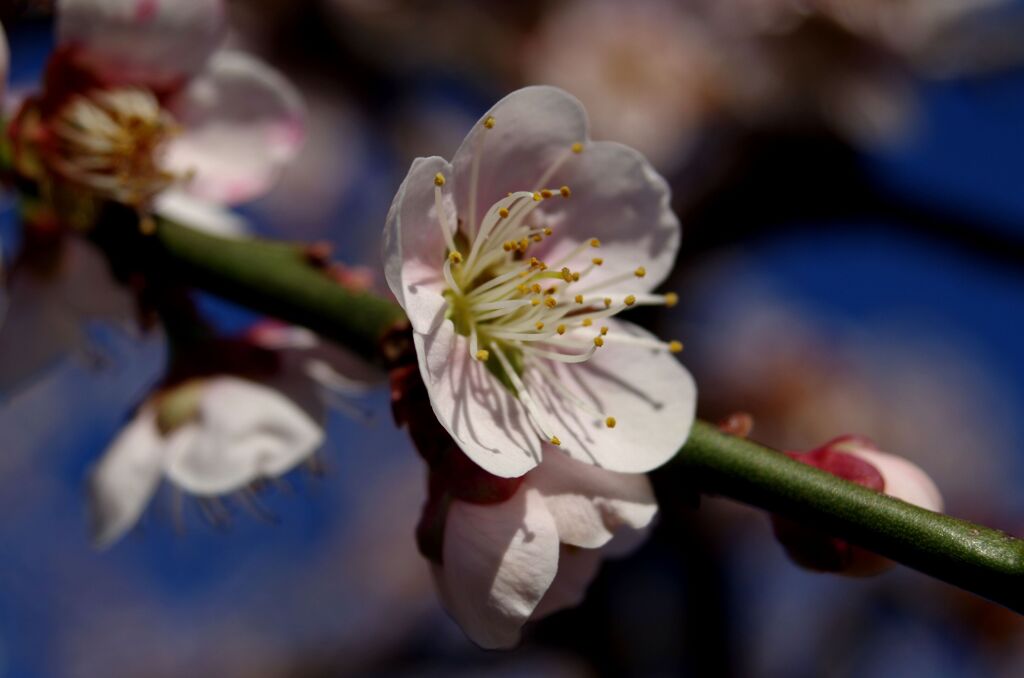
x=228, y=416
x=5, y=61
x=54, y=292
x=138, y=99
x=608, y=393
x=645, y=71
x=855, y=459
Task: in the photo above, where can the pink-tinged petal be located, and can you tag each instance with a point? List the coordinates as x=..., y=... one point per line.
x=243, y=432
x=481, y=415
x=154, y=43
x=577, y=568
x=903, y=479
x=414, y=244
x=499, y=560
x=589, y=504
x=243, y=122
x=534, y=128
x=649, y=393
x=125, y=478
x=201, y=215
x=618, y=198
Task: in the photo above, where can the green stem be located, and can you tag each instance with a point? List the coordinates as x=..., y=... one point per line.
x=278, y=280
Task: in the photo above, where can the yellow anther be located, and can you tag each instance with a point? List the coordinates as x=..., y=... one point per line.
x=579, y=298
x=489, y=122
x=630, y=300
x=560, y=329
x=537, y=197
x=566, y=274
x=564, y=190
x=577, y=147
x=575, y=276
x=610, y=422
x=546, y=193
x=555, y=441
x=539, y=326
x=551, y=302
x=604, y=331
x=536, y=288
x=640, y=272
x=439, y=179
x=455, y=258
x=503, y=213
x=671, y=299
x=551, y=290
x=537, y=237
x=597, y=261
x=482, y=355
x=607, y=302
x=524, y=243
x=535, y=302
x=587, y=322
x=594, y=242
x=522, y=289
x=675, y=346
x=598, y=341
x=506, y=246
x=547, y=231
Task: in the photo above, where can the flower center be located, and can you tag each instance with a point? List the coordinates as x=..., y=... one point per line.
x=111, y=142
x=521, y=313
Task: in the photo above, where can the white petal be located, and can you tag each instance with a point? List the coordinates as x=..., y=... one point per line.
x=618, y=198
x=903, y=479
x=153, y=42
x=533, y=128
x=499, y=560
x=589, y=504
x=243, y=122
x=649, y=393
x=245, y=432
x=414, y=245
x=125, y=478
x=484, y=418
x=576, y=569
x=201, y=215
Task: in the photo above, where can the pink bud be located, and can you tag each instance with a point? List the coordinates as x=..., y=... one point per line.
x=857, y=460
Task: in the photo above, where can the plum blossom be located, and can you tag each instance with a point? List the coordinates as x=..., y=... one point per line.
x=238, y=412
x=139, y=99
x=504, y=564
x=858, y=460
x=511, y=263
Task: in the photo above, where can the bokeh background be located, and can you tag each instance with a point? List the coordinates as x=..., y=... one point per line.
x=850, y=177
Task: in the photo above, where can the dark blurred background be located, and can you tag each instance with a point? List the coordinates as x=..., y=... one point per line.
x=850, y=177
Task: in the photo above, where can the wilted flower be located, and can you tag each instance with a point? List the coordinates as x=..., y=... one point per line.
x=511, y=263
x=239, y=411
x=137, y=99
x=856, y=459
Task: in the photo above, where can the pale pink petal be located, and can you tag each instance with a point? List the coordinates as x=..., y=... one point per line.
x=244, y=432
x=534, y=128
x=618, y=198
x=589, y=504
x=499, y=560
x=649, y=393
x=903, y=479
x=201, y=215
x=125, y=478
x=414, y=244
x=243, y=122
x=577, y=567
x=146, y=42
x=484, y=418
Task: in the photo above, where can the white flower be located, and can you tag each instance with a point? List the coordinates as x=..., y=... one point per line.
x=510, y=263
x=507, y=563
x=139, y=99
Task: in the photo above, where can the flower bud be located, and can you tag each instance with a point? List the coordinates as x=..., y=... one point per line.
x=857, y=460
